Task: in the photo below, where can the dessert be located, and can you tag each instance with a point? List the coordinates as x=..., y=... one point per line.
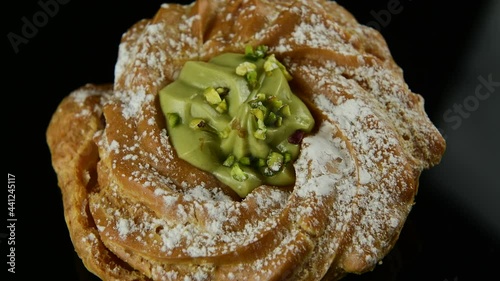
x=242, y=140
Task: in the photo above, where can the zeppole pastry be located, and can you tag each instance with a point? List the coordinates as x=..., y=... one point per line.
x=242, y=140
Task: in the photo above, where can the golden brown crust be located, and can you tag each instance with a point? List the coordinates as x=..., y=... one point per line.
x=137, y=212
x=74, y=157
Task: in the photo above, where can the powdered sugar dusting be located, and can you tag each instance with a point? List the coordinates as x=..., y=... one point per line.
x=315, y=171
x=189, y=239
x=80, y=95
x=133, y=102
x=379, y=167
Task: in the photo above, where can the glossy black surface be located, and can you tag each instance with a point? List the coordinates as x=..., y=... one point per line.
x=449, y=235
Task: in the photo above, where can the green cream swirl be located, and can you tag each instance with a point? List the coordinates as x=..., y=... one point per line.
x=232, y=116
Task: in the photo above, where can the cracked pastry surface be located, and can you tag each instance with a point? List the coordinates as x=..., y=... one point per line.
x=135, y=211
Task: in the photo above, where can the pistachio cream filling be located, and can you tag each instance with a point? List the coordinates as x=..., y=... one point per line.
x=236, y=117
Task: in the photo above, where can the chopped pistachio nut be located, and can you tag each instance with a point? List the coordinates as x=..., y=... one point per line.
x=275, y=161
x=275, y=103
x=230, y=160
x=249, y=51
x=245, y=160
x=222, y=91
x=249, y=71
x=270, y=109
x=259, y=52
x=261, y=131
x=255, y=103
x=245, y=67
x=285, y=110
x=173, y=119
x=272, y=63
x=260, y=134
x=279, y=121
x=237, y=173
x=260, y=162
x=212, y=96
x=251, y=77
x=271, y=119
x=258, y=113
x=266, y=171
x=197, y=123
x=261, y=124
x=222, y=106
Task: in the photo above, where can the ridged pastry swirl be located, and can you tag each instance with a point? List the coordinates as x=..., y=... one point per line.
x=137, y=212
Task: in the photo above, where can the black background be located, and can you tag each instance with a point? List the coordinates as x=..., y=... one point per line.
x=441, y=241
